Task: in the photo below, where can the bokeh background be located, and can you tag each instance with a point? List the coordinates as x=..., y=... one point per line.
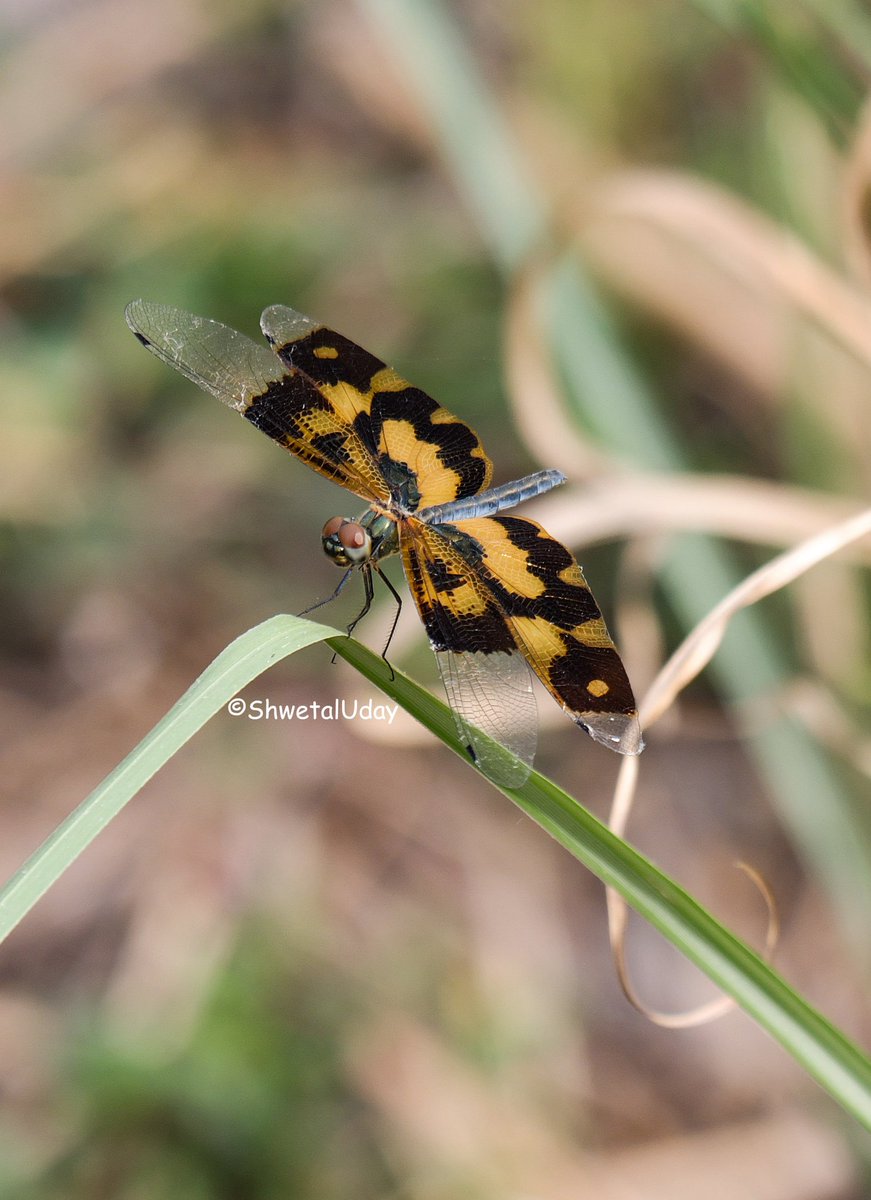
x=628, y=240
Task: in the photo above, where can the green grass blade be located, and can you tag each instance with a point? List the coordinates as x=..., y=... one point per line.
x=799, y=57
x=825, y=1053
x=848, y=23
x=497, y=190
x=243, y=660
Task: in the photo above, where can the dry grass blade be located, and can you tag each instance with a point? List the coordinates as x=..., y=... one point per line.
x=536, y=394
x=618, y=921
x=697, y=650
x=617, y=501
x=685, y=664
x=766, y=262
x=637, y=504
x=703, y=1014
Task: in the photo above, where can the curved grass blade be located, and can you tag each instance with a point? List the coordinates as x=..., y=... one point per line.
x=825, y=1053
x=243, y=660
x=815, y=1043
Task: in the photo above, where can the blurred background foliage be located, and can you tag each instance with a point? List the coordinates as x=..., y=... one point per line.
x=307, y=962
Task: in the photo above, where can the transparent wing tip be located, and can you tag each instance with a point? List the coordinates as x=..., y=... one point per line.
x=281, y=325
x=132, y=315
x=618, y=731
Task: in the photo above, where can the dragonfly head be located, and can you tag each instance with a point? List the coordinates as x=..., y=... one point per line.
x=346, y=542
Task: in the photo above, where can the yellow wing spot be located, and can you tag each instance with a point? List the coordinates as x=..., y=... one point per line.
x=598, y=687
x=326, y=352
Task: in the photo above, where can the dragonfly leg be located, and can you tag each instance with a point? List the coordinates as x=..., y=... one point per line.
x=396, y=596
x=329, y=599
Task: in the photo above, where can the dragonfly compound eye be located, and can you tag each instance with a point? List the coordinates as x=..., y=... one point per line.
x=346, y=542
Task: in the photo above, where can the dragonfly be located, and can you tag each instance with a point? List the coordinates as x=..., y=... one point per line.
x=499, y=597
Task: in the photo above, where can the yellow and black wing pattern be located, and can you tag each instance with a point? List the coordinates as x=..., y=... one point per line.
x=327, y=401
x=496, y=593
x=426, y=455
